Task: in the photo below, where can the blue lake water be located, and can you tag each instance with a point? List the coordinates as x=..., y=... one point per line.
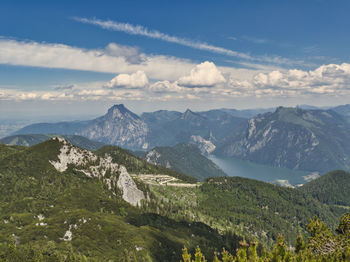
x=243, y=168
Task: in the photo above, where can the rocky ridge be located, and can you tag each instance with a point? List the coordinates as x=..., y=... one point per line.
x=113, y=175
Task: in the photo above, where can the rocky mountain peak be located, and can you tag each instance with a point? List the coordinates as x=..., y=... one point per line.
x=120, y=111
x=190, y=115
x=120, y=127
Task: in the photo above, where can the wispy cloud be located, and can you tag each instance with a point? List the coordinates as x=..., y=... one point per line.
x=155, y=34
x=143, y=31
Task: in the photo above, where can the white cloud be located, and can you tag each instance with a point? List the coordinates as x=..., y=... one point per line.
x=135, y=80
x=113, y=59
x=166, y=87
x=204, y=74
x=327, y=79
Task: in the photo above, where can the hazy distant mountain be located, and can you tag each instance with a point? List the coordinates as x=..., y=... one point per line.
x=209, y=126
x=30, y=140
x=183, y=158
x=314, y=140
x=159, y=117
x=64, y=128
x=207, y=129
x=247, y=113
x=343, y=110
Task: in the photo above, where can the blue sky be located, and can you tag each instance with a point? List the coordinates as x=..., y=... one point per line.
x=79, y=57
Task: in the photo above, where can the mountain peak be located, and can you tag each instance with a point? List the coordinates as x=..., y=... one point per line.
x=120, y=110
x=189, y=114
x=119, y=107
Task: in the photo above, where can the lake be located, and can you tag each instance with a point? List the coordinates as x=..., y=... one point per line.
x=243, y=168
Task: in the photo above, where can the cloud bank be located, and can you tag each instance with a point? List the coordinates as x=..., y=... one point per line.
x=203, y=81
x=113, y=59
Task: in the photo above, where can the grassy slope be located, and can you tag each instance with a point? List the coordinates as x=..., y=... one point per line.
x=248, y=207
x=30, y=186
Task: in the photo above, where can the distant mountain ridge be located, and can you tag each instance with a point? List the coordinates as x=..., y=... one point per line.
x=119, y=126
x=183, y=158
x=312, y=140
x=33, y=139
x=306, y=139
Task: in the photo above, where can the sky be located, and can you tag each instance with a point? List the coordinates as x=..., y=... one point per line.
x=77, y=58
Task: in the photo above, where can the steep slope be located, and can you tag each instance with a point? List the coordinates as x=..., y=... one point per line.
x=193, y=127
x=137, y=165
x=312, y=140
x=33, y=139
x=58, y=198
x=332, y=188
x=184, y=158
x=119, y=127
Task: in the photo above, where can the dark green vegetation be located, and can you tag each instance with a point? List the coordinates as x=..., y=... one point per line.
x=247, y=207
x=322, y=245
x=33, y=139
x=310, y=140
x=184, y=158
x=40, y=206
x=8, y=150
x=331, y=189
x=136, y=165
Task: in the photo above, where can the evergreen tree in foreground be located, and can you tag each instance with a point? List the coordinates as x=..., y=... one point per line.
x=322, y=245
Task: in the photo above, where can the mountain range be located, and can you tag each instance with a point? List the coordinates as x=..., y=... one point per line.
x=301, y=138
x=312, y=140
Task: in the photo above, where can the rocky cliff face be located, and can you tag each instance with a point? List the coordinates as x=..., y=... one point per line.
x=112, y=174
x=118, y=127
x=205, y=146
x=313, y=140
